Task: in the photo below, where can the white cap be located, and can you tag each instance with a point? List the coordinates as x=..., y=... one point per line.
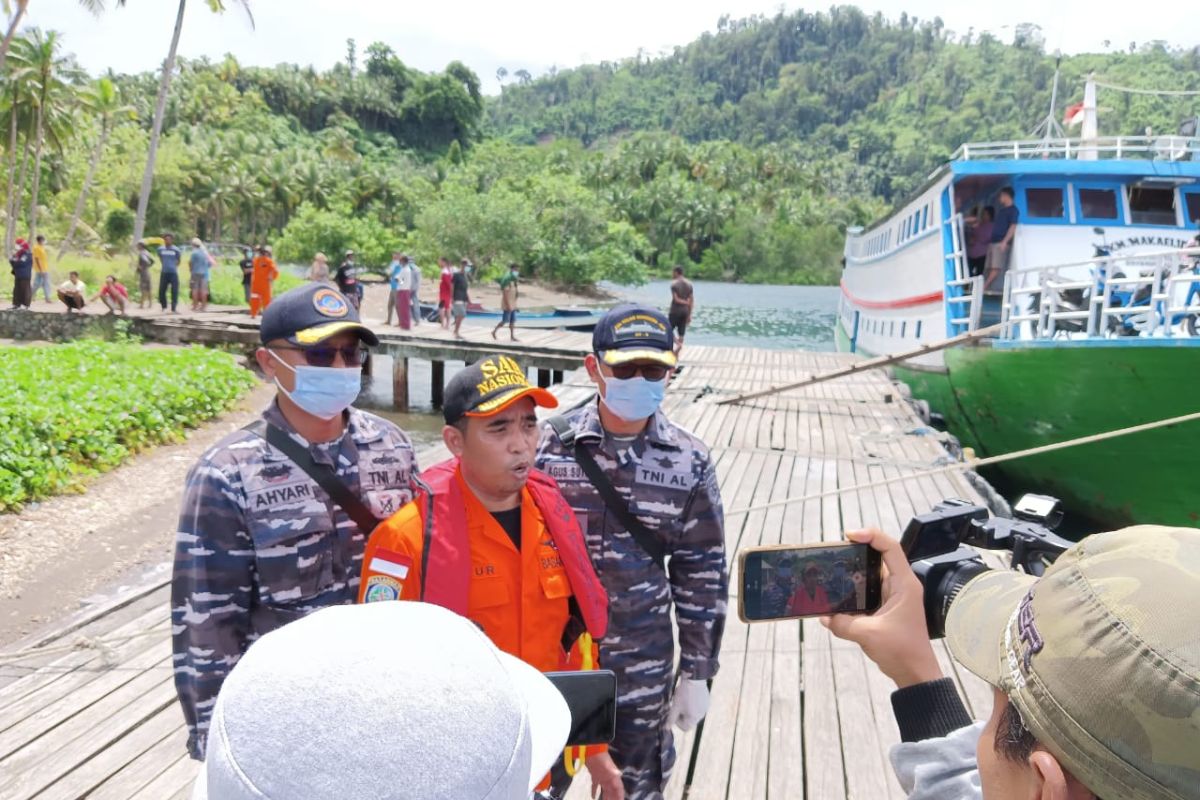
x=396, y=700
x=195, y=242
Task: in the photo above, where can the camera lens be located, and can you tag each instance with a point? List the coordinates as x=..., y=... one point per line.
x=939, y=601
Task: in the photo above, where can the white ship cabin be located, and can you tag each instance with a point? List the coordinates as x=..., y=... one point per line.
x=1099, y=221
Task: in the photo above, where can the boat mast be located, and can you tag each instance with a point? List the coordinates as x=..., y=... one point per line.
x=1049, y=128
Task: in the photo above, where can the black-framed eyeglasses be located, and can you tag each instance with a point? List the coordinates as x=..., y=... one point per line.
x=323, y=356
x=651, y=372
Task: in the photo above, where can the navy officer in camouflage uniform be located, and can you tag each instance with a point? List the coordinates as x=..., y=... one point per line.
x=666, y=478
x=260, y=544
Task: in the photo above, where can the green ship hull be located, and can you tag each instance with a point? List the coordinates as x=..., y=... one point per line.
x=1002, y=399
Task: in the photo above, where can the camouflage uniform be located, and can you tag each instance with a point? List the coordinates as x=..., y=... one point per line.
x=260, y=545
x=671, y=486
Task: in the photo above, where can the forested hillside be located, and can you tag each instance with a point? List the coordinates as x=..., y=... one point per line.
x=744, y=154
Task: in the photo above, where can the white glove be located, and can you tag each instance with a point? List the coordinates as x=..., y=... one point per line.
x=690, y=703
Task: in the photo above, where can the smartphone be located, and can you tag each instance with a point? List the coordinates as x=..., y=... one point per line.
x=788, y=582
x=592, y=698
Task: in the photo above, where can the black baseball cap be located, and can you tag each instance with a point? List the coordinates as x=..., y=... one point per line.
x=488, y=386
x=310, y=314
x=632, y=332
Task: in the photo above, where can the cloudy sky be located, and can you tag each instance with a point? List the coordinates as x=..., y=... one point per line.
x=533, y=34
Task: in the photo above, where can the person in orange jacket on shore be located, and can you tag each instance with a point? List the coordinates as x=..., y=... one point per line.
x=261, y=278
x=491, y=538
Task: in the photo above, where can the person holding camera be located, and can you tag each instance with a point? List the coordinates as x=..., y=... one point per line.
x=1095, y=668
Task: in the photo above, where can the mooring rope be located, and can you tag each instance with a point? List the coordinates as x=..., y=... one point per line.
x=1162, y=92
x=975, y=463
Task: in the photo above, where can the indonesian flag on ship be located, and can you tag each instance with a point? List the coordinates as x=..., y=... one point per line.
x=1073, y=115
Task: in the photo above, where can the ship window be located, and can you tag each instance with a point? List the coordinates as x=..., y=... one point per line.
x=903, y=325
x=917, y=335
x=1098, y=203
x=1044, y=203
x=891, y=329
x=1193, y=209
x=1151, y=206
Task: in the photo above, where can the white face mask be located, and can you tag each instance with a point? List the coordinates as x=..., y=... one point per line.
x=324, y=392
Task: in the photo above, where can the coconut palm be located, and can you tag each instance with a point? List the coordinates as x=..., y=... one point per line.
x=103, y=101
x=160, y=109
x=18, y=120
x=48, y=94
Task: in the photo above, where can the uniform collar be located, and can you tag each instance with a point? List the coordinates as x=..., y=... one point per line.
x=659, y=431
x=361, y=429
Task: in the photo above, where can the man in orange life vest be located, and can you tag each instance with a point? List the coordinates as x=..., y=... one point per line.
x=492, y=539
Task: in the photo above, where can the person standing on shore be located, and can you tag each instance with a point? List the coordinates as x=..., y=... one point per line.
x=260, y=541
x=347, y=279
x=656, y=533
x=460, y=298
x=22, y=272
x=445, y=291
x=168, y=279
x=246, y=265
x=144, y=262
x=319, y=270
x=683, y=299
x=199, y=264
x=41, y=269
x=264, y=276
x=401, y=285
x=508, y=302
x=416, y=290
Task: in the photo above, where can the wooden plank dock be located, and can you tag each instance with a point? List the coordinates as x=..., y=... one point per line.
x=795, y=713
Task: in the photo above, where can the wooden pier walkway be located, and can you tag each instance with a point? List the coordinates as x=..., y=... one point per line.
x=795, y=713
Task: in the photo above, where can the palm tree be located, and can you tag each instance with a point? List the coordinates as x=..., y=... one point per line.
x=103, y=101
x=18, y=120
x=46, y=70
x=160, y=110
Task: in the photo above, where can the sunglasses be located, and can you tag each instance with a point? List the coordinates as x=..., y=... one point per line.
x=651, y=372
x=352, y=355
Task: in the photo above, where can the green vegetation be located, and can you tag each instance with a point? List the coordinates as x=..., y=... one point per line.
x=74, y=410
x=745, y=153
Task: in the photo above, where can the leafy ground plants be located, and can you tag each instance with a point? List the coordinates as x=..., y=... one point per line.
x=70, y=411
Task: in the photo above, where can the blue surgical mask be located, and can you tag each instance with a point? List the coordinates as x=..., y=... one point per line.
x=323, y=392
x=634, y=398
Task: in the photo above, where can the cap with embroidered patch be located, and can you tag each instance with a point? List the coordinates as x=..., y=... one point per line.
x=489, y=386
x=1100, y=656
x=310, y=314
x=633, y=332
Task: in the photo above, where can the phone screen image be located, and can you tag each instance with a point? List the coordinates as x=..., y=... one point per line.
x=794, y=582
x=592, y=698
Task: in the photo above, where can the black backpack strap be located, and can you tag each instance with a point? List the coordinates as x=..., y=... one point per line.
x=645, y=538
x=323, y=474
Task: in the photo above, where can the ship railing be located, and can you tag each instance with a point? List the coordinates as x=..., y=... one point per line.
x=1150, y=294
x=1158, y=148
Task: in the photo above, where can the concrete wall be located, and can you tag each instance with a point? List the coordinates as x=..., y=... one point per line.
x=57, y=327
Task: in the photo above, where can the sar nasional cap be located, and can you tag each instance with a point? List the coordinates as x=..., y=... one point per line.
x=1101, y=655
x=633, y=332
x=310, y=314
x=396, y=699
x=489, y=386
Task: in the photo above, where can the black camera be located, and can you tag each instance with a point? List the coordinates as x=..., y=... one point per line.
x=941, y=544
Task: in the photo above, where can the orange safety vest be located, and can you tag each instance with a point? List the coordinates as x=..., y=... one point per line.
x=431, y=532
